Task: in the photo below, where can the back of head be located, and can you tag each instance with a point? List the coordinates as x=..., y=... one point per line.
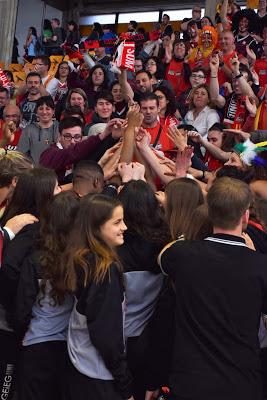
x=88, y=178
x=183, y=196
x=33, y=190
x=57, y=219
x=142, y=213
x=12, y=165
x=228, y=199
x=201, y=226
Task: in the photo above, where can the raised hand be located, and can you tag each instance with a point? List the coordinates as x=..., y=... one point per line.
x=214, y=64
x=183, y=161
x=234, y=64
x=250, y=104
x=108, y=154
x=143, y=139
x=178, y=137
x=119, y=128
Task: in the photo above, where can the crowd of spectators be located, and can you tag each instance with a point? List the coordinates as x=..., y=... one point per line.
x=133, y=201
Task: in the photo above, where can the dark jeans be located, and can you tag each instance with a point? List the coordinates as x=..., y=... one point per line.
x=8, y=363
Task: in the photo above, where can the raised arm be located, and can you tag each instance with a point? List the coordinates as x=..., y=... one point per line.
x=127, y=91
x=216, y=98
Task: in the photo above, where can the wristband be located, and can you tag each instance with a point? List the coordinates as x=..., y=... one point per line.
x=239, y=76
x=214, y=76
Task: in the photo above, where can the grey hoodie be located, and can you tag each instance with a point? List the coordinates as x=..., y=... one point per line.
x=34, y=140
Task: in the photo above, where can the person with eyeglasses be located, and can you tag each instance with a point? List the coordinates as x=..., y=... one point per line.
x=70, y=148
x=155, y=67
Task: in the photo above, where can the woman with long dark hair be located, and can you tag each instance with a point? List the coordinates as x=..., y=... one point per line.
x=32, y=192
x=42, y=314
x=92, y=271
x=30, y=44
x=147, y=233
x=96, y=82
x=168, y=111
x=61, y=75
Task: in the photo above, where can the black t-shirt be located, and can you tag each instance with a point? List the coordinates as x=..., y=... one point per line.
x=221, y=290
x=28, y=110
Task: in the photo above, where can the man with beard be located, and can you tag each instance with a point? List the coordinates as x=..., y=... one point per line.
x=149, y=107
x=27, y=103
x=143, y=84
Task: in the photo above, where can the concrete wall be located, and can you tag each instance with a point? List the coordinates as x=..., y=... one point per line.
x=31, y=13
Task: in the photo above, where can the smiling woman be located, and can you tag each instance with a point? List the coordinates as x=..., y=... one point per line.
x=201, y=115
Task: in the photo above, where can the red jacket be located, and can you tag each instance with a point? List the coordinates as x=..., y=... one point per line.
x=62, y=159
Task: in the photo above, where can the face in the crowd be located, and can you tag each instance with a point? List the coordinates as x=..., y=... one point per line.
x=235, y=161
x=100, y=51
x=138, y=65
x=227, y=41
x=77, y=100
x=70, y=27
x=45, y=113
x=12, y=113
x=243, y=25
x=206, y=39
x=104, y=108
x=70, y=136
x=200, y=98
x=33, y=84
x=4, y=99
x=165, y=20
x=40, y=67
x=63, y=70
x=179, y=50
x=192, y=31
x=117, y=93
x=215, y=138
x=236, y=84
x=150, y=110
x=151, y=66
x=113, y=229
x=196, y=13
x=197, y=78
x=205, y=22
x=54, y=24
x=166, y=41
x=98, y=77
x=57, y=189
x=163, y=102
x=143, y=83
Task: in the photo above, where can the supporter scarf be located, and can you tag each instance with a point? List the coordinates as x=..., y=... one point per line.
x=235, y=115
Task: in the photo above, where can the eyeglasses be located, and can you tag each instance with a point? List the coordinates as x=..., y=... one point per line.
x=69, y=137
x=198, y=76
x=151, y=64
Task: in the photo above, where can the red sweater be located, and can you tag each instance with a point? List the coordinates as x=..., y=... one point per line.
x=61, y=160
